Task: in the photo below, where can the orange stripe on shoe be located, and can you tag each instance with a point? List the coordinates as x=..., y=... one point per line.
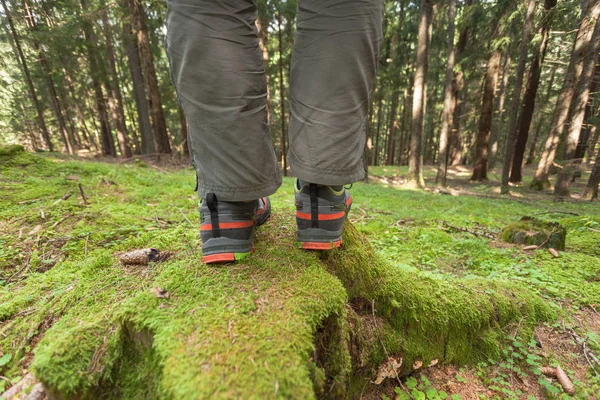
x=322, y=217
x=219, y=258
x=321, y=245
x=349, y=201
x=228, y=225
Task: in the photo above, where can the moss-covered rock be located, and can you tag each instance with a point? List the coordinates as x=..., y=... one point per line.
x=532, y=231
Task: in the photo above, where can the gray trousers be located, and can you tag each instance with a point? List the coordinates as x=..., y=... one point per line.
x=219, y=76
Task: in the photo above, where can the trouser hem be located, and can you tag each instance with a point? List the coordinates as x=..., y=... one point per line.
x=226, y=193
x=325, y=176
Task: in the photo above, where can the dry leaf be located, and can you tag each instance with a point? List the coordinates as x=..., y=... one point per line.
x=529, y=248
x=73, y=178
x=417, y=364
x=143, y=256
x=432, y=363
x=161, y=293
x=554, y=253
x=35, y=230
x=564, y=381
x=389, y=369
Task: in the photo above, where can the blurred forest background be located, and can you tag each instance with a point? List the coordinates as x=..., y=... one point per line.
x=476, y=83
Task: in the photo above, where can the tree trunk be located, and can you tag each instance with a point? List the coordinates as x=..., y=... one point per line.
x=281, y=97
x=576, y=117
x=449, y=100
x=404, y=133
x=511, y=133
x=378, y=132
x=117, y=110
x=591, y=190
x=540, y=119
x=485, y=120
x=415, y=172
x=159, y=127
x=561, y=110
x=23, y=62
x=588, y=130
x=533, y=84
x=497, y=125
x=139, y=89
x=108, y=146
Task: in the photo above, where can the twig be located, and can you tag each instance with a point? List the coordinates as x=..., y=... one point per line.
x=184, y=216
x=82, y=193
x=384, y=348
x=594, y=230
x=60, y=221
x=589, y=356
x=475, y=233
x=65, y=197
x=557, y=212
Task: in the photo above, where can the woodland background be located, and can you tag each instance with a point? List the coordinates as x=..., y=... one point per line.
x=475, y=83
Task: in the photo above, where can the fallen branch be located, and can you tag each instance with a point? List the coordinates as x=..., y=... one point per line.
x=587, y=353
x=557, y=212
x=472, y=232
x=82, y=193
x=18, y=387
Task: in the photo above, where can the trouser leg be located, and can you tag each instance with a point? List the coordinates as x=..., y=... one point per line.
x=334, y=64
x=218, y=72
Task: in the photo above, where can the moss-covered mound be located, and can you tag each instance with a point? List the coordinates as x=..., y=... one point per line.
x=532, y=231
x=284, y=324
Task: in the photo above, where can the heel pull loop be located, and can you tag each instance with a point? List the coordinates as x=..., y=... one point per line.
x=314, y=205
x=213, y=207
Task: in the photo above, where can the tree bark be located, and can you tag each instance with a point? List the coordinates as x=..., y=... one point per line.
x=117, y=110
x=540, y=119
x=533, y=83
x=108, y=145
x=561, y=110
x=159, y=127
x=23, y=62
x=591, y=190
x=415, y=172
x=516, y=100
x=378, y=131
x=576, y=117
x=588, y=130
x=139, y=89
x=497, y=125
x=449, y=100
x=485, y=120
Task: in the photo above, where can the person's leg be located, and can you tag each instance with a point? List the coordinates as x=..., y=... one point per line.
x=218, y=72
x=334, y=64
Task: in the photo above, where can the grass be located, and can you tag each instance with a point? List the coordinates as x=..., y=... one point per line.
x=285, y=323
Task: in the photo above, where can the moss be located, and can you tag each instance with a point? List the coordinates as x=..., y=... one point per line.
x=11, y=150
x=532, y=231
x=251, y=330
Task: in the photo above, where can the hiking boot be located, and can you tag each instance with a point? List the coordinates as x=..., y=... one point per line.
x=227, y=228
x=320, y=214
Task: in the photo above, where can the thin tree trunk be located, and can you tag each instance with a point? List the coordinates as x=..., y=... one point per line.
x=485, y=120
x=511, y=133
x=576, y=117
x=139, y=90
x=449, y=100
x=530, y=95
x=23, y=63
x=281, y=97
x=108, y=146
x=595, y=134
x=415, y=172
x=159, y=127
x=497, y=125
x=117, y=110
x=404, y=132
x=561, y=110
x=378, y=132
x=540, y=119
x=591, y=190
x=587, y=133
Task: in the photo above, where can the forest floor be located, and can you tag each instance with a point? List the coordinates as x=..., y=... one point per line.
x=80, y=320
